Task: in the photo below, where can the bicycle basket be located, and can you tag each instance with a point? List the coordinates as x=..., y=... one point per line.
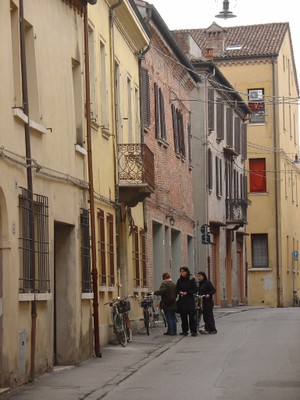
x=124, y=306
x=146, y=302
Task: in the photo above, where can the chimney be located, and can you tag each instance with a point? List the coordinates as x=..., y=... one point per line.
x=209, y=53
x=215, y=39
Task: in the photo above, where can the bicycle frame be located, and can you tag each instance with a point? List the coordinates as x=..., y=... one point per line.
x=296, y=300
x=120, y=318
x=148, y=312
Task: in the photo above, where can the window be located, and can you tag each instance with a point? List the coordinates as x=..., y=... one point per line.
x=256, y=104
x=85, y=251
x=259, y=248
x=209, y=170
x=77, y=98
x=160, y=123
x=211, y=109
x=129, y=111
x=16, y=61
x=103, y=88
x=93, y=80
x=190, y=143
x=257, y=168
x=229, y=127
x=139, y=257
x=237, y=135
x=178, y=131
x=106, y=256
x=220, y=119
x=145, y=100
x=219, y=177
x=34, y=273
x=244, y=142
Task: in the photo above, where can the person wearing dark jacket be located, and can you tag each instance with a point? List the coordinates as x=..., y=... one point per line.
x=168, y=294
x=206, y=289
x=186, y=288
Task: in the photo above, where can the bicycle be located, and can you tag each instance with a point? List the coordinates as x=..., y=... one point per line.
x=149, y=312
x=161, y=314
x=198, y=310
x=121, y=322
x=296, y=300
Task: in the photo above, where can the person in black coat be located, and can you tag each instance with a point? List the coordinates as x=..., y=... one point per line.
x=206, y=289
x=186, y=288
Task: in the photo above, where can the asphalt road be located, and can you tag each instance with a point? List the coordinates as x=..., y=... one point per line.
x=254, y=356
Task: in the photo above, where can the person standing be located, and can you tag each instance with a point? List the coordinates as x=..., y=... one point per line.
x=186, y=288
x=168, y=294
x=207, y=290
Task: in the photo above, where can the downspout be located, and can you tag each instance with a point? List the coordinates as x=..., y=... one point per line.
x=115, y=142
x=29, y=186
x=91, y=186
x=276, y=190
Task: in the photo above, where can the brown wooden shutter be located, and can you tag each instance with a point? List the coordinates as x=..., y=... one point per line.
x=220, y=119
x=175, y=128
x=145, y=97
x=257, y=168
x=101, y=247
x=143, y=257
x=229, y=127
x=237, y=134
x=110, y=245
x=157, y=115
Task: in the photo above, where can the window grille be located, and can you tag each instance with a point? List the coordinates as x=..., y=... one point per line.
x=260, y=255
x=85, y=251
x=34, y=273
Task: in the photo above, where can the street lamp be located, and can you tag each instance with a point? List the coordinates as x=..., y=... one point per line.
x=225, y=14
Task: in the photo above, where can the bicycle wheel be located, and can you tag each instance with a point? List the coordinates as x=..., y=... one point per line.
x=128, y=329
x=119, y=330
x=198, y=319
x=151, y=313
x=146, y=320
x=163, y=317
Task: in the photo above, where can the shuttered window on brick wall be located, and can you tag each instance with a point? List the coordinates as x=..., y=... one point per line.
x=136, y=256
x=143, y=257
x=190, y=143
x=220, y=119
x=110, y=248
x=178, y=131
x=145, y=89
x=211, y=109
x=160, y=122
x=85, y=251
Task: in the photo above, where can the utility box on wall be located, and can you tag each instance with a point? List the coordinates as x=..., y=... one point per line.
x=22, y=352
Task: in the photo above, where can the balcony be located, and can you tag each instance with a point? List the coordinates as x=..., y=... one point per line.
x=236, y=212
x=135, y=173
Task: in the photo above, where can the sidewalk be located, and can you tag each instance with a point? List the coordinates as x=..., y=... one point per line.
x=94, y=378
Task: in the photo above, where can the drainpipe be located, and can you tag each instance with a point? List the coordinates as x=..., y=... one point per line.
x=116, y=139
x=91, y=185
x=276, y=190
x=29, y=186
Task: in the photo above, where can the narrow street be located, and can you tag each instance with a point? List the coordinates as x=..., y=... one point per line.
x=254, y=356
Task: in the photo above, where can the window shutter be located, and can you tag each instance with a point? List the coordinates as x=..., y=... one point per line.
x=257, y=168
x=220, y=119
x=229, y=127
x=157, y=115
x=211, y=109
x=237, y=135
x=162, y=116
x=244, y=142
x=145, y=97
x=209, y=170
x=111, y=257
x=101, y=247
x=175, y=128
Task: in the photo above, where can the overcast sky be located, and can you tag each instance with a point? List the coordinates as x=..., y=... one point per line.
x=180, y=14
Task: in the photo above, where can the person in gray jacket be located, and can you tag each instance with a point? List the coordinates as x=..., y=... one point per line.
x=168, y=294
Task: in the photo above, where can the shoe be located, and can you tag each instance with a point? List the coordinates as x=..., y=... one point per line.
x=213, y=332
x=184, y=333
x=204, y=332
x=167, y=333
x=194, y=334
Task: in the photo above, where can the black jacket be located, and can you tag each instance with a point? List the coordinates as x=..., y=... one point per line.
x=207, y=287
x=188, y=285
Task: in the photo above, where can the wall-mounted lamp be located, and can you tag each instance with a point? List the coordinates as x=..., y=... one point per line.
x=171, y=219
x=296, y=161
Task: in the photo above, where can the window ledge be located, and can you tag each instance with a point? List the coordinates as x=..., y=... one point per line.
x=80, y=149
x=36, y=296
x=260, y=269
x=87, y=296
x=19, y=114
x=106, y=288
x=162, y=142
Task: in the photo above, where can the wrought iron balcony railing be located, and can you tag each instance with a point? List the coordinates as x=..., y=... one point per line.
x=236, y=211
x=135, y=172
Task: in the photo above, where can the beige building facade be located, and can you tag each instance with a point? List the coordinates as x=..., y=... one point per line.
x=72, y=179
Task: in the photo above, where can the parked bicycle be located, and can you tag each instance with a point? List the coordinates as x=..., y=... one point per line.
x=296, y=300
x=198, y=310
x=161, y=314
x=149, y=312
x=120, y=318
